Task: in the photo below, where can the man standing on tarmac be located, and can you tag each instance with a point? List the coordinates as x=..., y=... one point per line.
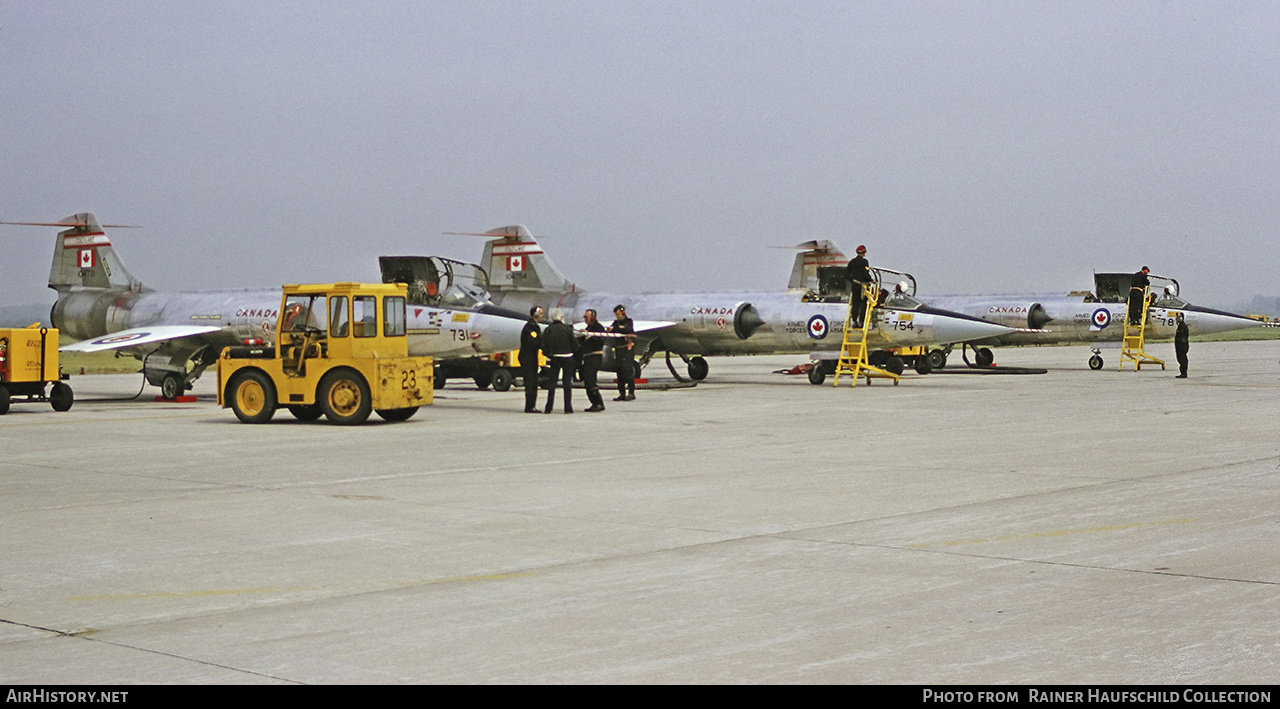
x=858, y=273
x=1137, y=291
x=592, y=356
x=1181, y=344
x=624, y=353
x=557, y=345
x=530, y=345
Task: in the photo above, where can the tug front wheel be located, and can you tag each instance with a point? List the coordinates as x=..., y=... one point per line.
x=252, y=396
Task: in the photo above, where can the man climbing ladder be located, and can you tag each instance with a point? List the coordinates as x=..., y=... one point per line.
x=853, y=349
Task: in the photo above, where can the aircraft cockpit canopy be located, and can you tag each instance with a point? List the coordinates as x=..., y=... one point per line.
x=898, y=289
x=1167, y=297
x=435, y=280
x=1114, y=287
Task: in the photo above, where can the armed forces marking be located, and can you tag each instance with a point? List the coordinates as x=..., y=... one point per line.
x=1101, y=318
x=120, y=338
x=818, y=327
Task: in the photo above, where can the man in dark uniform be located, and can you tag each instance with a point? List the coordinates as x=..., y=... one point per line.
x=592, y=356
x=1181, y=344
x=624, y=353
x=858, y=273
x=1137, y=291
x=557, y=345
x=530, y=345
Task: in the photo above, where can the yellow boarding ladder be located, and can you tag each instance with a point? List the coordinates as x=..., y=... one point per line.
x=853, y=350
x=1135, y=337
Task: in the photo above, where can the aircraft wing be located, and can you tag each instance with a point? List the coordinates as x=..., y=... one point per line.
x=648, y=325
x=639, y=325
x=139, y=336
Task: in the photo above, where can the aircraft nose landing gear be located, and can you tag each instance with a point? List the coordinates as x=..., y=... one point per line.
x=1095, y=362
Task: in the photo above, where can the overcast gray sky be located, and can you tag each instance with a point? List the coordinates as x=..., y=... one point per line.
x=982, y=146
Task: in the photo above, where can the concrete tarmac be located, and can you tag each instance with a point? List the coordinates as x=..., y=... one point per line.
x=1071, y=527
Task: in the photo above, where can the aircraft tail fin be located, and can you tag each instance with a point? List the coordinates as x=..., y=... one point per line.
x=83, y=256
x=819, y=267
x=517, y=263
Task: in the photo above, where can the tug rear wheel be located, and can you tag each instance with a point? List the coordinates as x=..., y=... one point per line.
x=345, y=398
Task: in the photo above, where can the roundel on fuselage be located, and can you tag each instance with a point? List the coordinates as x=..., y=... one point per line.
x=818, y=327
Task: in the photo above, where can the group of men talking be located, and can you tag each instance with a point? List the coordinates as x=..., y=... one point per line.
x=566, y=351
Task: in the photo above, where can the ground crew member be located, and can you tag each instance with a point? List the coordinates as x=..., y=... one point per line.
x=624, y=353
x=592, y=358
x=530, y=344
x=557, y=345
x=1137, y=291
x=858, y=273
x=1181, y=344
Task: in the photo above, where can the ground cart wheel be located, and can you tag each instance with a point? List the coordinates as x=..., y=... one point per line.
x=60, y=397
x=306, y=412
x=501, y=380
x=816, y=374
x=397, y=414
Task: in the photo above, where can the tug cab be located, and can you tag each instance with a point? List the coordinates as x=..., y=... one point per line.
x=341, y=351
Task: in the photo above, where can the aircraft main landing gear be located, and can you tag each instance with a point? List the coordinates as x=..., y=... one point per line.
x=698, y=369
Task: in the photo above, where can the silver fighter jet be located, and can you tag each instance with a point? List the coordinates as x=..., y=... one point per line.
x=698, y=325
x=177, y=335
x=1080, y=316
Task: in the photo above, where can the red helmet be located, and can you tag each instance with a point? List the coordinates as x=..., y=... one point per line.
x=861, y=249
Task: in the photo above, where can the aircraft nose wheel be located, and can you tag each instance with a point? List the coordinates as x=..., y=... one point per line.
x=1095, y=362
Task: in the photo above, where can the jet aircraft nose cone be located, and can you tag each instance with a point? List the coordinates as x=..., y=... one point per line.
x=950, y=326
x=1204, y=321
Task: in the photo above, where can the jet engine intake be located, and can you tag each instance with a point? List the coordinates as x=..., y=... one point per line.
x=1018, y=315
x=745, y=320
x=1037, y=317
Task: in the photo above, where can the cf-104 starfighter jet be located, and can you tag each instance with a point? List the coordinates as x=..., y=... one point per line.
x=699, y=325
x=1084, y=316
x=178, y=334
